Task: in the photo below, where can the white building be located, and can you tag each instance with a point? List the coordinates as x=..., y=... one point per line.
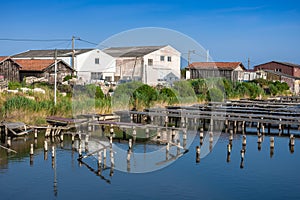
x=150, y=64
x=91, y=65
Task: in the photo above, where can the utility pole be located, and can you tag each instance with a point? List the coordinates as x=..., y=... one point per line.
x=55, y=75
x=189, y=56
x=73, y=52
x=248, y=63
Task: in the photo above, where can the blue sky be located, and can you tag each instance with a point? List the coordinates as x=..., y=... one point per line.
x=231, y=30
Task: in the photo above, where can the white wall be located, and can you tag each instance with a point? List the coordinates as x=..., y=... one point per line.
x=86, y=63
x=161, y=68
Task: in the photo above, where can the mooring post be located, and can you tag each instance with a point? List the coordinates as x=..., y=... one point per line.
x=130, y=143
x=279, y=127
x=271, y=146
x=292, y=140
x=242, y=154
x=99, y=159
x=31, y=154
x=79, y=150
x=111, y=130
x=166, y=120
x=244, y=140
x=173, y=132
x=147, y=133
x=110, y=141
x=178, y=147
x=73, y=138
x=167, y=147
x=230, y=135
x=272, y=142
x=8, y=142
x=198, y=154
x=35, y=133
x=201, y=134
x=45, y=146
x=228, y=152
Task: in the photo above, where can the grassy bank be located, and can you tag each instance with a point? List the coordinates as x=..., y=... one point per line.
x=33, y=107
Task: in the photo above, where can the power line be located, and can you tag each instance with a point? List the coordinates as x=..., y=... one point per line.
x=32, y=40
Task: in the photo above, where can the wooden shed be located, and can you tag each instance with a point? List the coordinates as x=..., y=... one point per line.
x=43, y=68
x=9, y=69
x=230, y=70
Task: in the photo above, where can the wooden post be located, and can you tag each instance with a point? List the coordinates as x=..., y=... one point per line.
x=198, y=154
x=259, y=141
x=271, y=146
x=45, y=146
x=130, y=143
x=244, y=140
x=292, y=140
x=178, y=145
x=99, y=159
x=242, y=154
x=111, y=130
x=73, y=138
x=8, y=142
x=201, y=134
x=271, y=142
x=110, y=141
x=61, y=137
x=279, y=127
x=167, y=148
x=31, y=154
x=35, y=133
x=228, y=152
x=79, y=150
x=147, y=133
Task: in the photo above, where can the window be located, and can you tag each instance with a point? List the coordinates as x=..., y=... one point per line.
x=277, y=70
x=162, y=58
x=169, y=59
x=97, y=61
x=150, y=62
x=96, y=75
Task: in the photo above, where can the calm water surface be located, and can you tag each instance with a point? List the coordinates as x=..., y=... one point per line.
x=262, y=177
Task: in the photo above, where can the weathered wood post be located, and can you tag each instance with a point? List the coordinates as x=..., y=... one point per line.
x=292, y=140
x=173, y=132
x=45, y=150
x=228, y=152
x=111, y=130
x=147, y=133
x=198, y=154
x=86, y=143
x=110, y=141
x=8, y=142
x=31, y=154
x=73, y=138
x=79, y=150
x=166, y=120
x=112, y=162
x=272, y=146
x=99, y=159
x=128, y=160
x=279, y=127
x=259, y=141
x=35, y=133
x=104, y=158
x=130, y=143
x=242, y=154
x=244, y=140
x=184, y=138
x=178, y=147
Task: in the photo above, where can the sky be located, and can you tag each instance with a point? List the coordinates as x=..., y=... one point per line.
x=231, y=30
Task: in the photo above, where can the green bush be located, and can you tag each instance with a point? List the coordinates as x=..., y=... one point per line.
x=13, y=85
x=215, y=95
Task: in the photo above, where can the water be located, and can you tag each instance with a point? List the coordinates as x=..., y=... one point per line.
x=262, y=177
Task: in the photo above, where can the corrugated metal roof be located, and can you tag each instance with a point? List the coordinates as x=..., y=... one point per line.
x=50, y=53
x=136, y=51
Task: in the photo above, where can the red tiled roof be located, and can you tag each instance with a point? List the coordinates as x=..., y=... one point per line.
x=2, y=58
x=34, y=64
x=211, y=65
